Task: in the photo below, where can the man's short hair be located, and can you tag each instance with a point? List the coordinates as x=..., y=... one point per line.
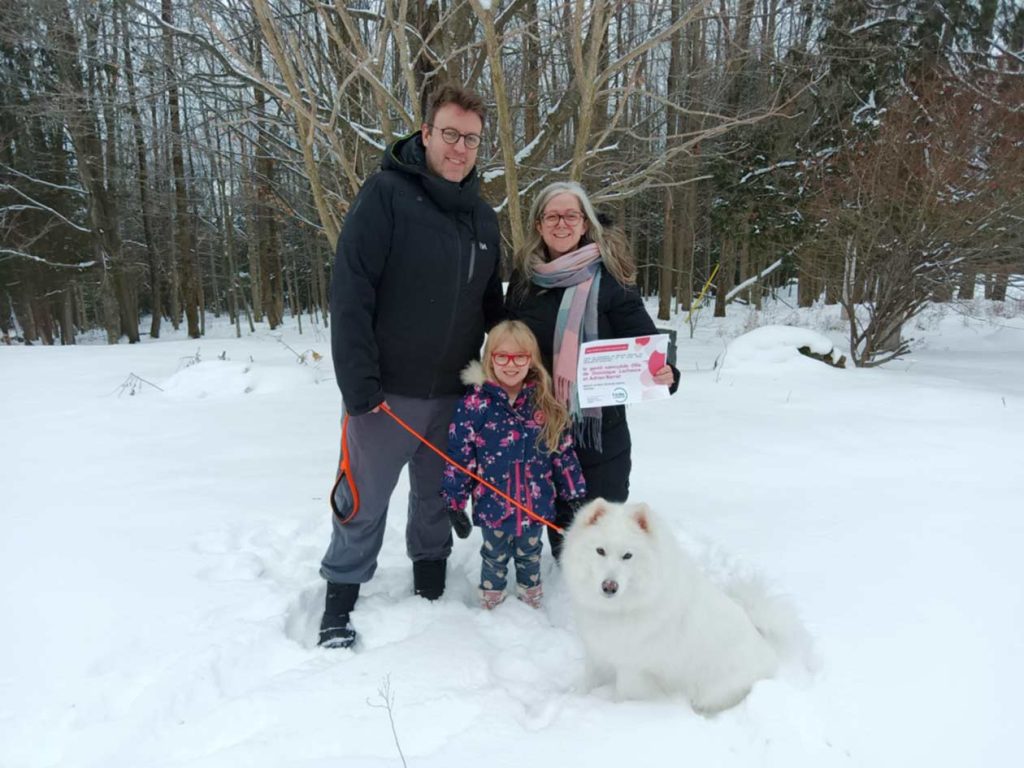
x=452, y=93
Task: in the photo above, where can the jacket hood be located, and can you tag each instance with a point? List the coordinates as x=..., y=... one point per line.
x=408, y=155
x=473, y=374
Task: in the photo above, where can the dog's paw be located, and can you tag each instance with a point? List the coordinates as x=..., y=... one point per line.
x=636, y=686
x=595, y=675
x=711, y=704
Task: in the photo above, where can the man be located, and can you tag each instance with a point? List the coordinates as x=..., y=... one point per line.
x=415, y=286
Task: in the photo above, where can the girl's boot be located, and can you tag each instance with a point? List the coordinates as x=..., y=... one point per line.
x=530, y=595
x=491, y=598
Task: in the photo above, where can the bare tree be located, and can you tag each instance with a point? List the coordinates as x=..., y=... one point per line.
x=915, y=206
x=161, y=157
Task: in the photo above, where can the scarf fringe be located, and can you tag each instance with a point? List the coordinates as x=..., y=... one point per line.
x=586, y=422
x=586, y=432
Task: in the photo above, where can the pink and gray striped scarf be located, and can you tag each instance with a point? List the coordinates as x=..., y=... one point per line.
x=579, y=273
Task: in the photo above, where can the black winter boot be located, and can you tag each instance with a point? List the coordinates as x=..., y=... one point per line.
x=428, y=578
x=336, y=630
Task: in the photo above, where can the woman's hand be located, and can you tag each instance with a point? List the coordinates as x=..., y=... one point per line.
x=664, y=376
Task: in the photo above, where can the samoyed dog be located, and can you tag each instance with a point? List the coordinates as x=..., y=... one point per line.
x=653, y=624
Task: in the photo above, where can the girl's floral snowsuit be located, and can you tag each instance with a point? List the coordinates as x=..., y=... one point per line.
x=497, y=439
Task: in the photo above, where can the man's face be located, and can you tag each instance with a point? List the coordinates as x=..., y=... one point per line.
x=451, y=161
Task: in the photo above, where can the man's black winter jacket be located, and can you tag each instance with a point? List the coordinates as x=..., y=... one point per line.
x=416, y=282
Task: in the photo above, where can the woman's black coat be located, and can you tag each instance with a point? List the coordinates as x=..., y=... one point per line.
x=620, y=314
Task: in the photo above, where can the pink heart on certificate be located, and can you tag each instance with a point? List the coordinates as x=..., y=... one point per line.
x=656, y=362
x=642, y=340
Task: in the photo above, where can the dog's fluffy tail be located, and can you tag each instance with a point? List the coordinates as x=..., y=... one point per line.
x=776, y=618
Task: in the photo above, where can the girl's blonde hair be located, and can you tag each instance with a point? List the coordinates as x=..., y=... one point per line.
x=556, y=416
x=615, y=250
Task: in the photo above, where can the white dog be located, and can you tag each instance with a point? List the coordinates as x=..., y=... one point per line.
x=650, y=621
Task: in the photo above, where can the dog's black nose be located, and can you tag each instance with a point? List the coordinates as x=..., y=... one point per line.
x=609, y=587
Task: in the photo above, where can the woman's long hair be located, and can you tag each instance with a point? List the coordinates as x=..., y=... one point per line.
x=615, y=251
x=556, y=417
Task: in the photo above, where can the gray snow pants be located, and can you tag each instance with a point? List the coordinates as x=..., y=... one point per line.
x=378, y=447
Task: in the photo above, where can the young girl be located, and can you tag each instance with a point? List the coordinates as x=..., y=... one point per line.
x=510, y=430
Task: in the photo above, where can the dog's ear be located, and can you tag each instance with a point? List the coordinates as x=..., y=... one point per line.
x=641, y=514
x=593, y=511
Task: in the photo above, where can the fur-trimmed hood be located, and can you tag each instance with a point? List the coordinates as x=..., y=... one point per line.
x=473, y=374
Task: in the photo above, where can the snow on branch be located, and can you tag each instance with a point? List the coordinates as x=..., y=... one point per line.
x=366, y=134
x=38, y=206
x=872, y=23
x=10, y=253
x=41, y=182
x=752, y=281
x=767, y=169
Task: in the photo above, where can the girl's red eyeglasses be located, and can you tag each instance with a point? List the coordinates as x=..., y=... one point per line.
x=519, y=360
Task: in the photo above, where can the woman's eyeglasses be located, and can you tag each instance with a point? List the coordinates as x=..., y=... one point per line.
x=572, y=218
x=451, y=136
x=518, y=360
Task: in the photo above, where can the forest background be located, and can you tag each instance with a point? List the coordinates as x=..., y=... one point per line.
x=165, y=159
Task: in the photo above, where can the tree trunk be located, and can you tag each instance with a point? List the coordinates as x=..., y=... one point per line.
x=67, y=323
x=746, y=271
x=807, y=288
x=689, y=169
x=44, y=320
x=186, y=253
x=586, y=56
x=531, y=73
x=967, y=282
x=170, y=280
x=80, y=118
x=22, y=306
x=999, y=286
x=271, y=283
x=142, y=177
x=321, y=282
x=666, y=273
x=726, y=274
x=228, y=227
x=673, y=224
x=505, y=126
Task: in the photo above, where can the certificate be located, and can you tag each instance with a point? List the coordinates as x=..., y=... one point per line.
x=621, y=371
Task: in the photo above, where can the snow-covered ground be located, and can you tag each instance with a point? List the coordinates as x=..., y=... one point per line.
x=158, y=563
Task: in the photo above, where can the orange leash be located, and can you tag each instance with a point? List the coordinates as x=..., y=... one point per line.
x=387, y=409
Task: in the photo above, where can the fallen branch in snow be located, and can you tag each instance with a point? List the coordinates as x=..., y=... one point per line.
x=189, y=360
x=389, y=700
x=133, y=384
x=301, y=356
x=825, y=358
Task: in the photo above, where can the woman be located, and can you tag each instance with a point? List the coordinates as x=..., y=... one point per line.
x=575, y=281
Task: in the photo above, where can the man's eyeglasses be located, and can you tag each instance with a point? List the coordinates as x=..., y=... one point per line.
x=451, y=136
x=572, y=218
x=519, y=360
